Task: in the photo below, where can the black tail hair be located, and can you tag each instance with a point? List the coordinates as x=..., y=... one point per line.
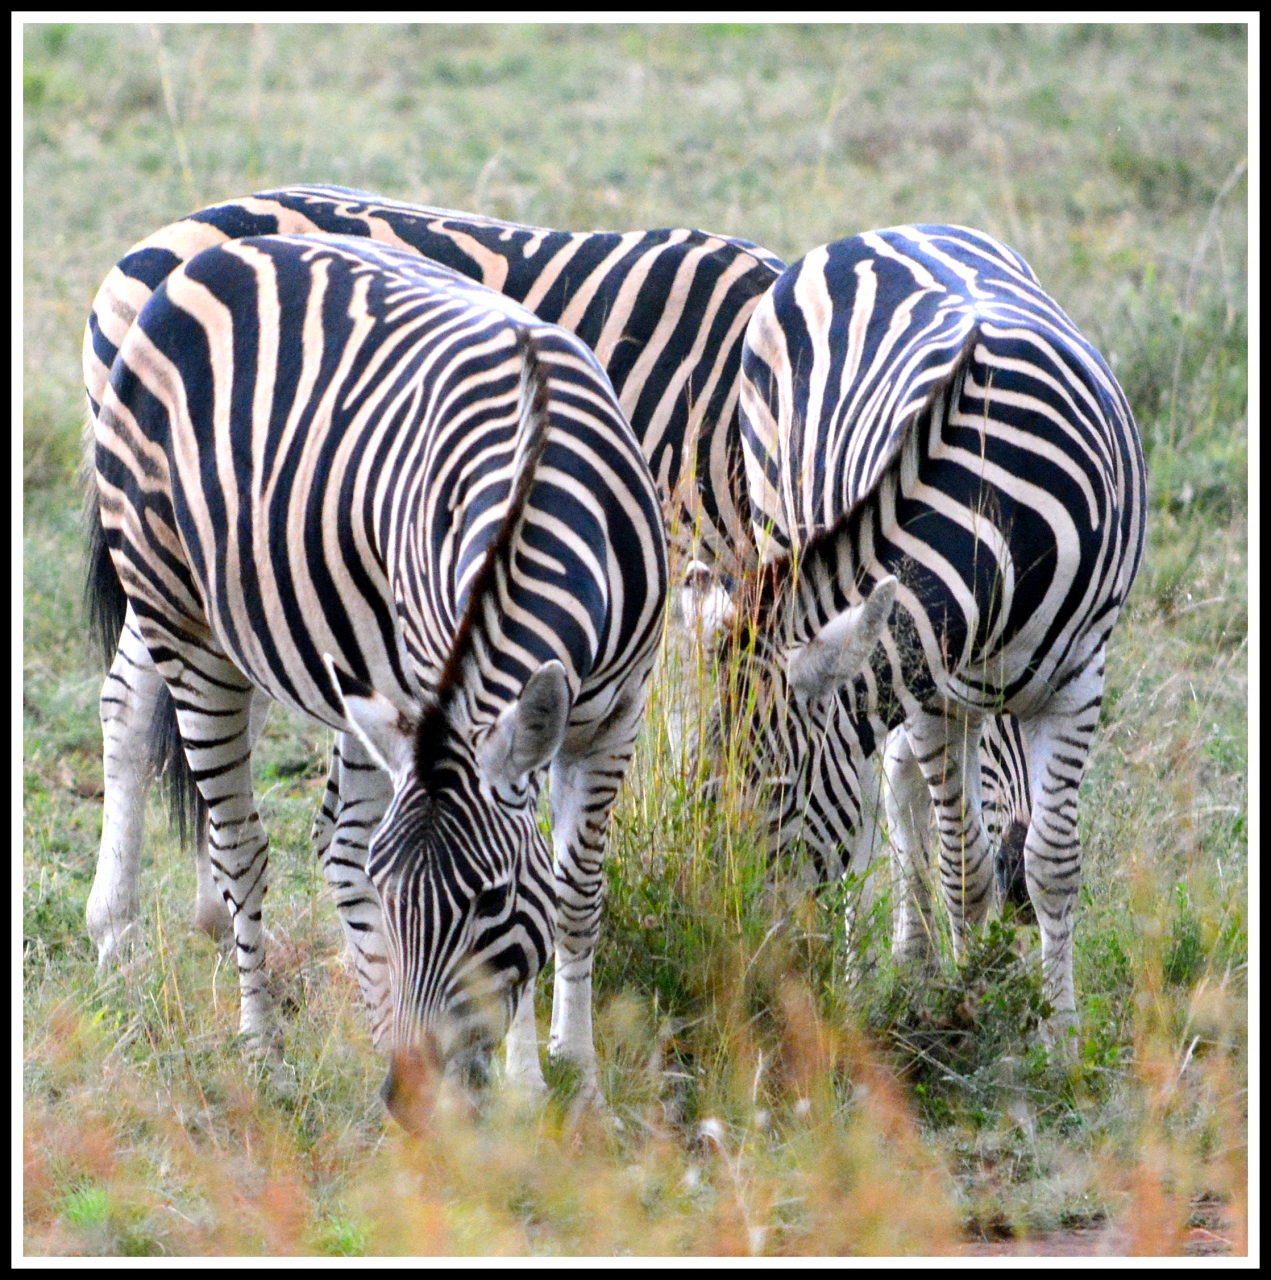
x=165, y=751
x=104, y=598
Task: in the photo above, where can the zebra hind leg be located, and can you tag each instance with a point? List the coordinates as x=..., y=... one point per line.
x=1059, y=744
x=132, y=702
x=1006, y=805
x=214, y=700
x=128, y=699
x=357, y=796
x=211, y=915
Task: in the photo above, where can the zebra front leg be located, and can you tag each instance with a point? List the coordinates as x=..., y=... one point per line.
x=524, y=1069
x=1058, y=746
x=210, y=912
x=357, y=796
x=214, y=715
x=583, y=792
x=861, y=862
x=908, y=804
x=128, y=700
x=947, y=750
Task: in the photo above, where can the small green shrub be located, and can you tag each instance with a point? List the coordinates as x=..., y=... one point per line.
x=966, y=1036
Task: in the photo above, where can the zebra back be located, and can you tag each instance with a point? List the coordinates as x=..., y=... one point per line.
x=845, y=360
x=665, y=312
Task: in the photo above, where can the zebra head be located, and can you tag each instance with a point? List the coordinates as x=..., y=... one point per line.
x=462, y=871
x=804, y=746
x=464, y=875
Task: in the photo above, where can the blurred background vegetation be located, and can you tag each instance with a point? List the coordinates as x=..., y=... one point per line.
x=1112, y=158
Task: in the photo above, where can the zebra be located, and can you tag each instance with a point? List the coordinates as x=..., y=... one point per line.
x=665, y=312
x=949, y=495
x=404, y=506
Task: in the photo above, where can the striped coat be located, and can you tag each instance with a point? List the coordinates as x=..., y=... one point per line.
x=664, y=310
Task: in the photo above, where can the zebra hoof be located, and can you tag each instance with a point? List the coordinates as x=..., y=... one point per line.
x=212, y=917
x=590, y=1103
x=121, y=949
x=519, y=1101
x=918, y=956
x=263, y=1047
x=1060, y=1034
x=285, y=1081
x=528, y=1086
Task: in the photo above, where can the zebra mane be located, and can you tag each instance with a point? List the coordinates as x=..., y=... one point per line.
x=531, y=440
x=778, y=580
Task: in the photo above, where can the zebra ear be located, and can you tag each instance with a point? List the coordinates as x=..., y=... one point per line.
x=387, y=732
x=839, y=651
x=529, y=732
x=705, y=606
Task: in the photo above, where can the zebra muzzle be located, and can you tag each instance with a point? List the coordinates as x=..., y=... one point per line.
x=417, y=1085
x=470, y=1069
x=410, y=1088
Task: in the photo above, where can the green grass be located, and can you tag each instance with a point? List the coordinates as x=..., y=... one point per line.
x=770, y=1091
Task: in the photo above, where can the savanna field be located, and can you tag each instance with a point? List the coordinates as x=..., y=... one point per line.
x=775, y=1085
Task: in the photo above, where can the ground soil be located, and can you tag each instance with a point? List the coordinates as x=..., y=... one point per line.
x=1107, y=1241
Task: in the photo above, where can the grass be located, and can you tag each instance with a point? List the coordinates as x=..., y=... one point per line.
x=776, y=1085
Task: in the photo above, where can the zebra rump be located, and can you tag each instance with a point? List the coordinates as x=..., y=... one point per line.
x=665, y=311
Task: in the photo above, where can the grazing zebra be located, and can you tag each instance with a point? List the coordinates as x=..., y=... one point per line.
x=402, y=505
x=664, y=311
x=949, y=494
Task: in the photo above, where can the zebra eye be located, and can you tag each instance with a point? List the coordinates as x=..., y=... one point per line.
x=490, y=902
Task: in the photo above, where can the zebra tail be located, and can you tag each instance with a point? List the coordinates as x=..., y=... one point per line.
x=1012, y=887
x=104, y=598
x=165, y=751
